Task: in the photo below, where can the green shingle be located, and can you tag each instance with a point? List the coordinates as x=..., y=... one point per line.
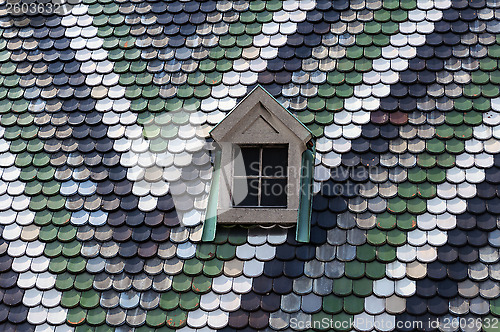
x=181, y=283
x=342, y=286
x=76, y=316
x=169, y=300
x=417, y=206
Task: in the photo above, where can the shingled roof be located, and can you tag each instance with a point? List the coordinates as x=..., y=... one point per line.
x=105, y=164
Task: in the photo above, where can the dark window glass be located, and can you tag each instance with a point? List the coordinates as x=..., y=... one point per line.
x=246, y=192
x=273, y=192
x=274, y=161
x=246, y=163
x=260, y=176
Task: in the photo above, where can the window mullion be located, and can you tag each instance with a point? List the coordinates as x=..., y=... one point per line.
x=260, y=175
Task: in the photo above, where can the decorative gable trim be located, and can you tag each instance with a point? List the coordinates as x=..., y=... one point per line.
x=270, y=111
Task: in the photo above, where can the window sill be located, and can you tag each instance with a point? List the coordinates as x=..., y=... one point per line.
x=257, y=216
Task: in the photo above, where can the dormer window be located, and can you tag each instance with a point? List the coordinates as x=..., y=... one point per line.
x=258, y=173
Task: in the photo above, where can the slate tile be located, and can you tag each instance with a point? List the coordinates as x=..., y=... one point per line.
x=290, y=303
x=262, y=285
x=285, y=252
x=238, y=319
x=305, y=252
x=8, y=279
x=17, y=314
x=258, y=319
x=250, y=301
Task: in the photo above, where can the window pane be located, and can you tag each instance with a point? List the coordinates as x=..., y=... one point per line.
x=245, y=192
x=273, y=192
x=247, y=163
x=275, y=161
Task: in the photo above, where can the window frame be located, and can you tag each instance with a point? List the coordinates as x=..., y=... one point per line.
x=260, y=176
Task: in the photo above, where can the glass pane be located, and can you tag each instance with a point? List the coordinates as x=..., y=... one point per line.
x=246, y=163
x=273, y=192
x=245, y=192
x=275, y=161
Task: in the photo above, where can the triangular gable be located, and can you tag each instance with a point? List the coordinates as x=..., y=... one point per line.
x=256, y=114
x=260, y=126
